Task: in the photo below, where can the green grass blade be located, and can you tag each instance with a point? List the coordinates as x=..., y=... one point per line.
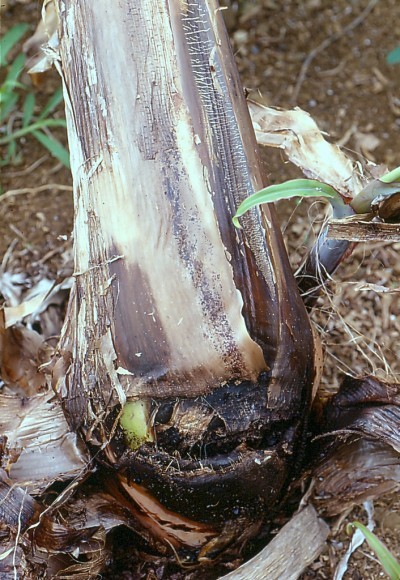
x=386, y=558
x=54, y=146
x=11, y=155
x=286, y=190
x=10, y=39
x=7, y=106
x=11, y=80
x=37, y=126
x=28, y=108
x=15, y=70
x=52, y=103
x=8, y=89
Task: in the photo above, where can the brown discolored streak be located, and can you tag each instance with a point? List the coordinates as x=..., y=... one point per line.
x=140, y=349
x=195, y=301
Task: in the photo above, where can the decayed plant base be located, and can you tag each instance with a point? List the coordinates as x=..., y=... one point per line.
x=225, y=406
x=205, y=351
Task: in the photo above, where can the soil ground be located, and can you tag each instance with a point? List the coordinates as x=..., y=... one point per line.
x=328, y=58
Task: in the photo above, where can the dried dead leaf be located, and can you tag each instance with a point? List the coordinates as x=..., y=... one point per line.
x=295, y=546
x=46, y=32
x=45, y=293
x=300, y=138
x=361, y=453
x=22, y=351
x=39, y=447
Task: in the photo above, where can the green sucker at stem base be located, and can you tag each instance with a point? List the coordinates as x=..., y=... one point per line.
x=134, y=422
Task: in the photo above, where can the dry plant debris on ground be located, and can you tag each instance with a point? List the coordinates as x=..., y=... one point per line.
x=329, y=59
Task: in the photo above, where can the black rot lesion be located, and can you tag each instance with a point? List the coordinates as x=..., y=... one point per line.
x=225, y=449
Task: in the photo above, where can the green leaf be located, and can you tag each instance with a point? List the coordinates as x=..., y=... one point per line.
x=37, y=126
x=27, y=111
x=14, y=156
x=394, y=56
x=54, y=146
x=8, y=96
x=386, y=558
x=7, y=106
x=10, y=39
x=286, y=190
x=52, y=103
x=11, y=155
x=14, y=72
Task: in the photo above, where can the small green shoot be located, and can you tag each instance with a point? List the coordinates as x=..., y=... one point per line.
x=392, y=176
x=386, y=185
x=17, y=112
x=287, y=190
x=386, y=558
x=134, y=423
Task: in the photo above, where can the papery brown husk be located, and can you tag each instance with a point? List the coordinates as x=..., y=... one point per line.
x=356, y=456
